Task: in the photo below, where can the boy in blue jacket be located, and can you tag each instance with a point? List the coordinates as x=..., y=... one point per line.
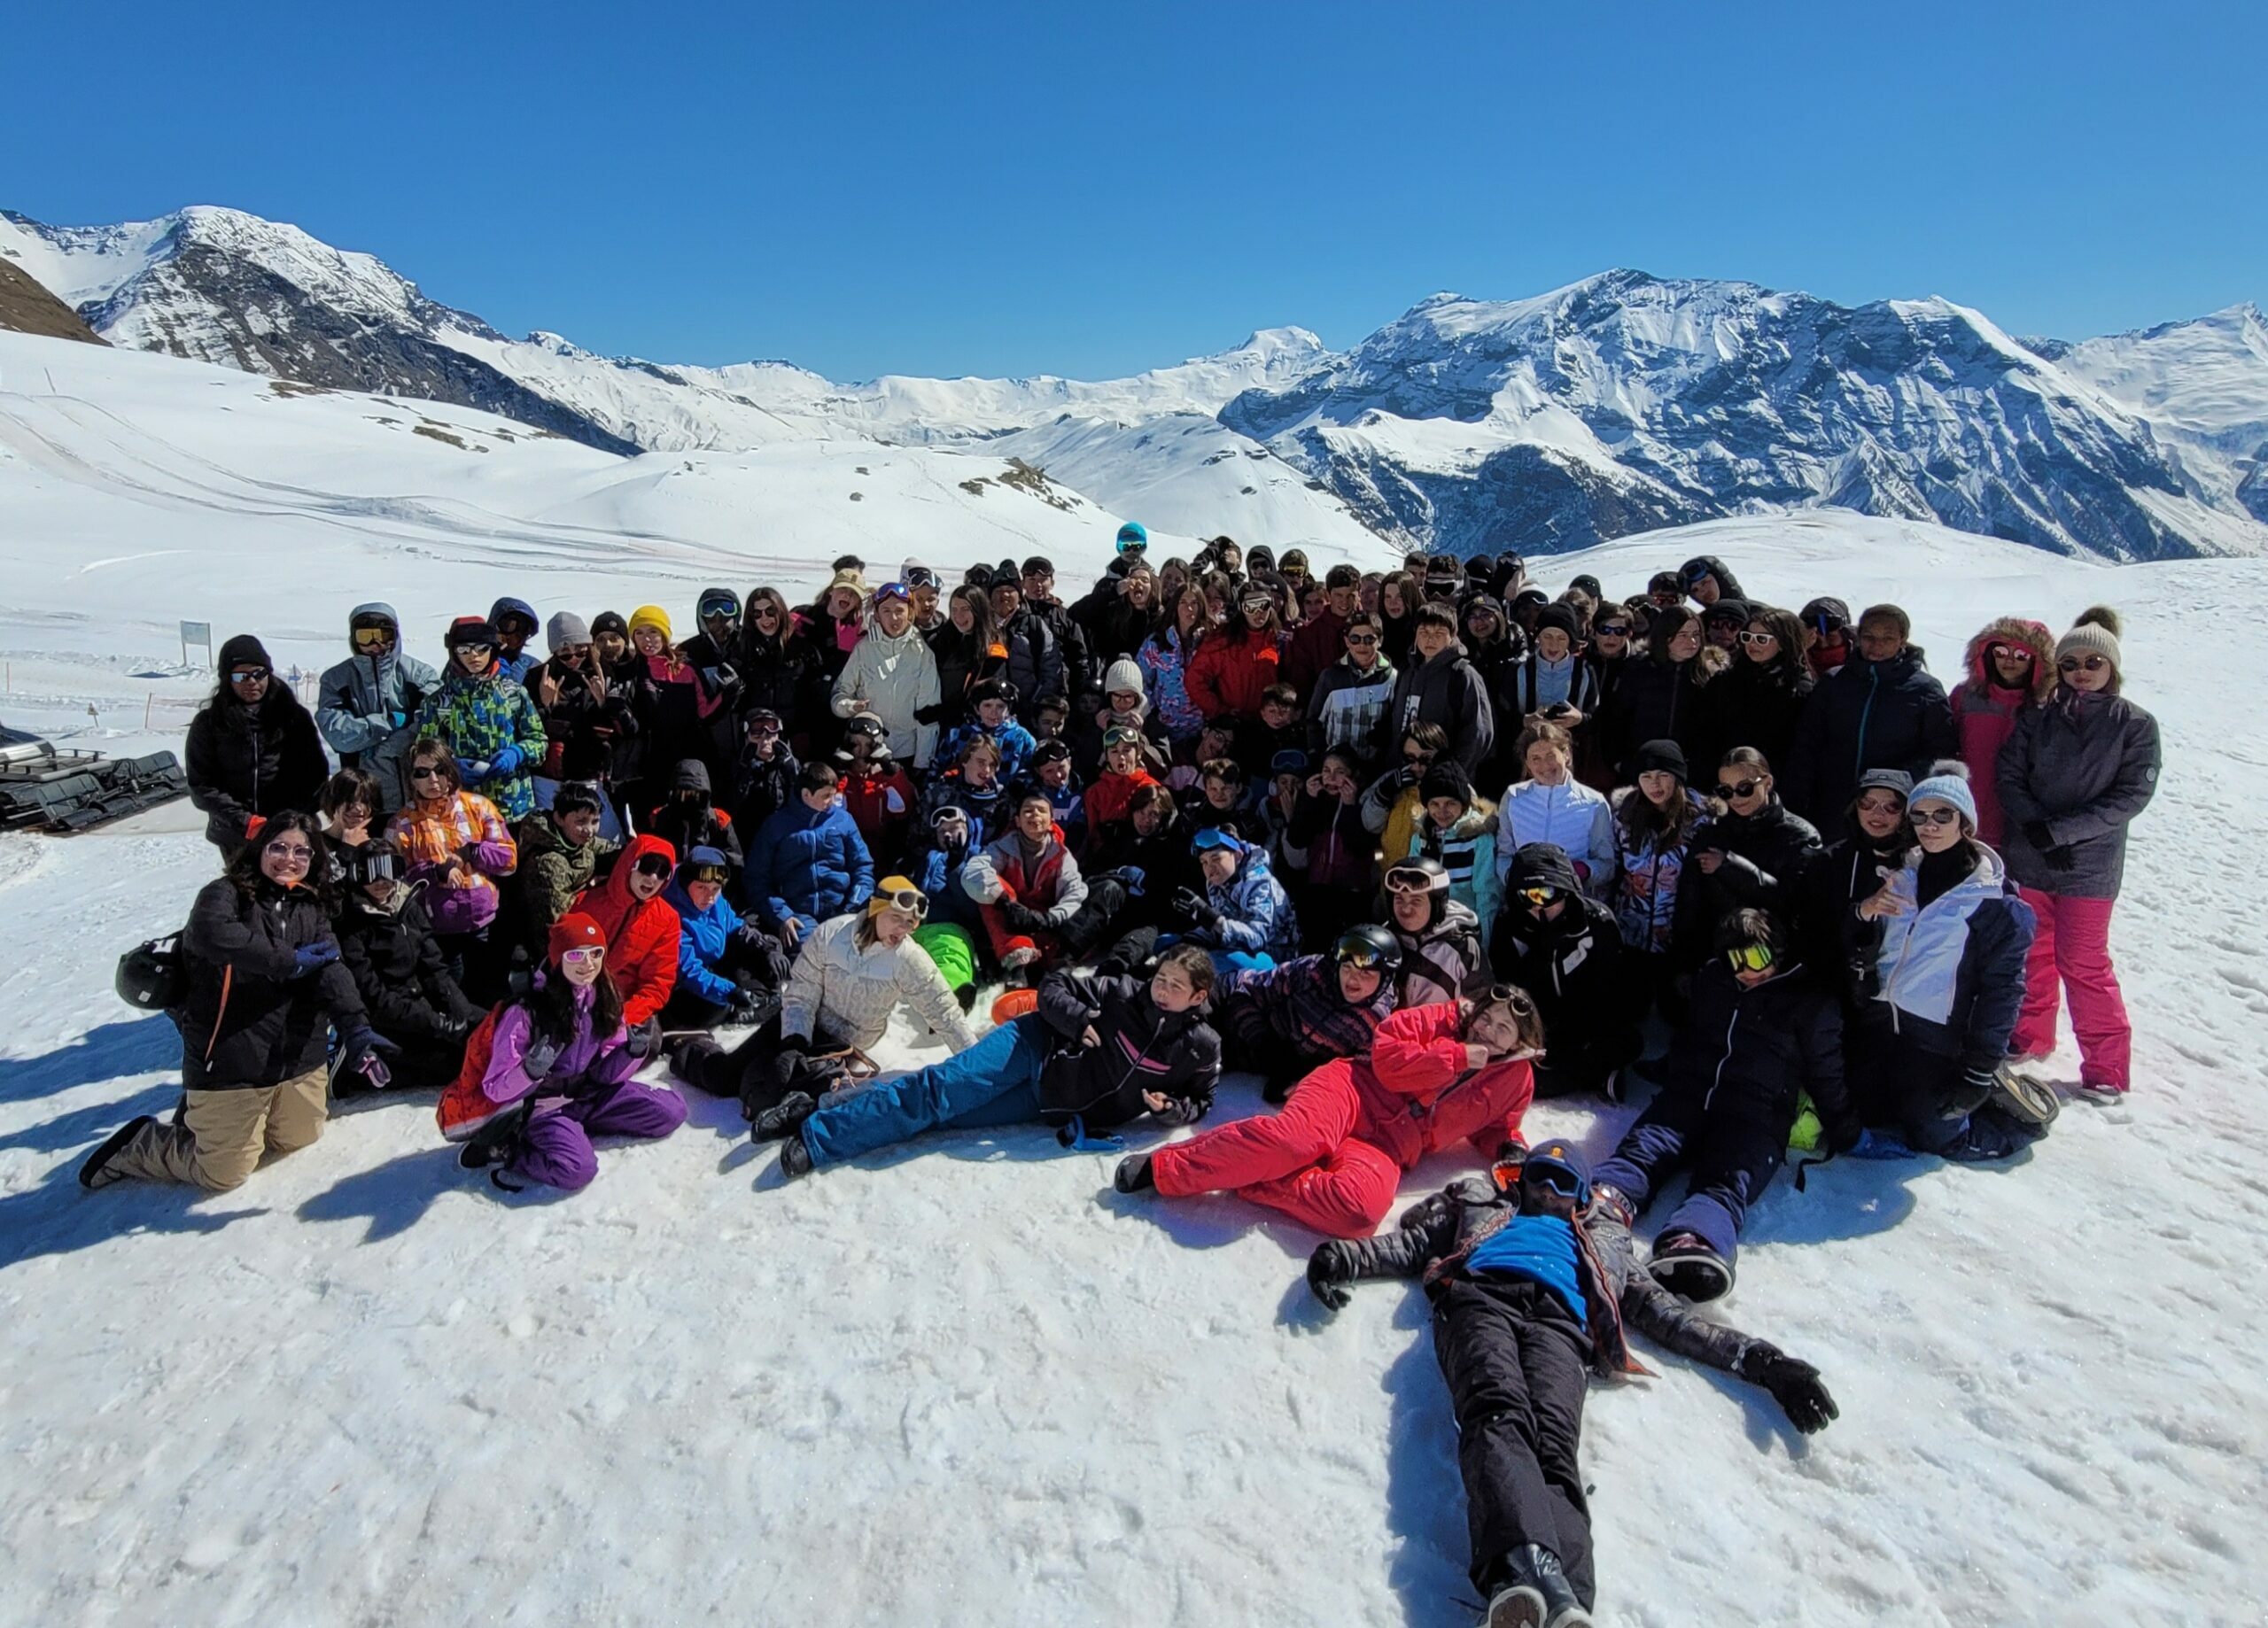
x=808, y=862
x=729, y=969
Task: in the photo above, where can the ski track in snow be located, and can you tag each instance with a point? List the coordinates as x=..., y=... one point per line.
x=966, y=1383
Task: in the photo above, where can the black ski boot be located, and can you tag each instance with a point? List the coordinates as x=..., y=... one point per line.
x=1688, y=1268
x=789, y=1115
x=1535, y=1593
x=1133, y=1176
x=794, y=1156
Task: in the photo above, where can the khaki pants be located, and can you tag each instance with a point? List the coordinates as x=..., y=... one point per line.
x=223, y=1134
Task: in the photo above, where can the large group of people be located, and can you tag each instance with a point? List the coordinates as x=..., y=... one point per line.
x=1415, y=848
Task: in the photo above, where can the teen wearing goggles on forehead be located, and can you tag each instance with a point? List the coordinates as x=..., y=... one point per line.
x=727, y=969
x=2073, y=776
x=1944, y=941
x=364, y=704
x=1534, y=1287
x=1288, y=1020
x=252, y=751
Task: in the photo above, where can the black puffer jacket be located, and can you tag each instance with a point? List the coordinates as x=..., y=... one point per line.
x=1574, y=965
x=1768, y=857
x=781, y=675
x=1871, y=715
x=249, y=1022
x=243, y=761
x=582, y=721
x=396, y=963
x=1143, y=1050
x=688, y=818
x=1750, y=1053
x=1750, y=705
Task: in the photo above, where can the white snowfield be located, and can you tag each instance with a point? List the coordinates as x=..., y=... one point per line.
x=965, y=1382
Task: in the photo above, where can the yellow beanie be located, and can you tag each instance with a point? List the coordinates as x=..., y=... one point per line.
x=890, y=885
x=653, y=616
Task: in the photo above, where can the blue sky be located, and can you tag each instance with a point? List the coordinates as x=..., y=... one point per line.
x=1091, y=191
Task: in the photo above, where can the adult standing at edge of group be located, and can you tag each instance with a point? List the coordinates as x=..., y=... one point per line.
x=252, y=751
x=364, y=704
x=2072, y=777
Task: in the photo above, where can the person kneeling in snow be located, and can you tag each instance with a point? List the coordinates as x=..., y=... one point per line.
x=847, y=980
x=547, y=1072
x=1290, y=1021
x=1333, y=1158
x=1100, y=1051
x=1532, y=1284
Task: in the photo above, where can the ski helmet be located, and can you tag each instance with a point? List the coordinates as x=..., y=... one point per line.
x=1369, y=947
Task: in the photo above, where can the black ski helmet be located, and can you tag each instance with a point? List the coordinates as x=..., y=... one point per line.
x=1369, y=947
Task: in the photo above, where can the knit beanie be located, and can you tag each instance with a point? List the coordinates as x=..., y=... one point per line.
x=1123, y=674
x=1561, y=616
x=572, y=931
x=1660, y=756
x=1948, y=782
x=609, y=622
x=1446, y=781
x=244, y=650
x=565, y=628
x=653, y=616
x=2095, y=633
x=892, y=886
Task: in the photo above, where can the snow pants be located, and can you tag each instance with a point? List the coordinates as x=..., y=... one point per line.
x=1898, y=1083
x=1513, y=1359
x=1305, y=1160
x=996, y=1081
x=222, y=1135
x=950, y=949
x=555, y=1148
x=2070, y=948
x=1733, y=1159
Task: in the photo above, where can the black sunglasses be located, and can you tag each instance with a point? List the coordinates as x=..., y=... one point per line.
x=248, y=675
x=1610, y=630
x=1737, y=789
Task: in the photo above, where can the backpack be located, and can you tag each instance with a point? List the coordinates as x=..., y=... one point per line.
x=153, y=976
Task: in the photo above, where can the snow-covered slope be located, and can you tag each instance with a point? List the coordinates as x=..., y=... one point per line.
x=969, y=1384
x=1618, y=404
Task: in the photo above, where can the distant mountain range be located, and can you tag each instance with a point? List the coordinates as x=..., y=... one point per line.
x=1619, y=404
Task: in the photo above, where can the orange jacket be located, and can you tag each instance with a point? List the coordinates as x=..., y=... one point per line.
x=640, y=938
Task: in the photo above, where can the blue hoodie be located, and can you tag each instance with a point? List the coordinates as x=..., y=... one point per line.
x=805, y=867
x=702, y=936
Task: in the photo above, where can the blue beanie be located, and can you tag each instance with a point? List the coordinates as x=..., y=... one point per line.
x=1948, y=782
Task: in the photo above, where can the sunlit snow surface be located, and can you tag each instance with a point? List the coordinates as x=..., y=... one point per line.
x=965, y=1384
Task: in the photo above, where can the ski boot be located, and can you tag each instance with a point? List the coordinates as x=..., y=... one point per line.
x=1688, y=1268
x=1535, y=1593
x=2025, y=1096
x=784, y=1119
x=794, y=1156
x=1133, y=1174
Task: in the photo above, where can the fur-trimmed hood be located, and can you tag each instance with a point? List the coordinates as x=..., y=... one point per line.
x=2032, y=635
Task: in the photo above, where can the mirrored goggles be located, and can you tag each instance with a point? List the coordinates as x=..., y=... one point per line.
x=1751, y=958
x=706, y=873
x=1540, y=897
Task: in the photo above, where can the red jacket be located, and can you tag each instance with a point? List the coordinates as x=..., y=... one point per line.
x=640, y=938
x=1110, y=797
x=1985, y=716
x=1230, y=671
x=1413, y=1102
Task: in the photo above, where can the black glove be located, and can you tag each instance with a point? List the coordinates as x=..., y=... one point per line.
x=1180, y=1111
x=2058, y=858
x=644, y=1038
x=1330, y=1269
x=2037, y=833
x=1793, y=1383
x=1020, y=916
x=930, y=714
x=1965, y=1095
x=1188, y=903
x=751, y=1006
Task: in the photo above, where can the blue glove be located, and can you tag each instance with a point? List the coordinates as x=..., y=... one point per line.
x=308, y=958
x=361, y=1038
x=506, y=763
x=474, y=771
x=1131, y=878
x=400, y=719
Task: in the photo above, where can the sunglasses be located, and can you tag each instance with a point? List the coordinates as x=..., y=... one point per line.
x=2090, y=664
x=1882, y=805
x=654, y=865
x=1541, y=896
x=1362, y=638
x=248, y=675
x=1751, y=958
x=768, y=613
x=584, y=957
x=1760, y=638
x=480, y=645
x=1610, y=630
x=1934, y=817
x=429, y=772
x=291, y=853
x=1410, y=879
x=513, y=624
x=1737, y=789
x=912, y=900
x=2014, y=653
x=373, y=638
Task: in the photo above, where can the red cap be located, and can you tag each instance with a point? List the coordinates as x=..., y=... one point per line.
x=573, y=931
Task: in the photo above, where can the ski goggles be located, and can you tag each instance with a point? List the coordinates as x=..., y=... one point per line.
x=920, y=577
x=1737, y=789
x=1131, y=545
x=1558, y=1178
x=1751, y=958
x=1540, y=897
x=1357, y=951
x=376, y=636
x=363, y=866
x=763, y=723
x=1514, y=998
x=1692, y=574
x=656, y=865
x=891, y=590
x=1410, y=879
x=1827, y=625
x=725, y=605
x=706, y=873
x=912, y=900
x=248, y=675
x=1120, y=735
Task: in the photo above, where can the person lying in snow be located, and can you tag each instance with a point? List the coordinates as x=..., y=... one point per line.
x=1100, y=1051
x=1533, y=1287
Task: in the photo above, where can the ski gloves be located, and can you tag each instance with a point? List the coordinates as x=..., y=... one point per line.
x=364, y=1049
x=1794, y=1383
x=1330, y=1270
x=1187, y=902
x=2055, y=855
x=308, y=958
